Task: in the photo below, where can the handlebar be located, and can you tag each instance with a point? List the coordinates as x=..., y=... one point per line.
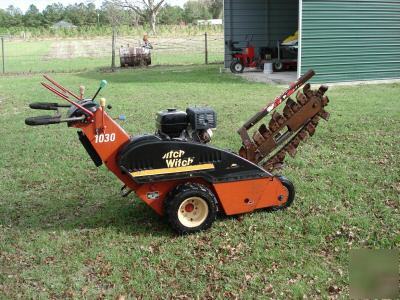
x=63, y=93
x=47, y=105
x=47, y=120
x=42, y=120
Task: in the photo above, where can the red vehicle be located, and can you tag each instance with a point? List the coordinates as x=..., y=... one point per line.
x=244, y=58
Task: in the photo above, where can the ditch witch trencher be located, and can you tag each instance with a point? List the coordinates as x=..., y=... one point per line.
x=177, y=172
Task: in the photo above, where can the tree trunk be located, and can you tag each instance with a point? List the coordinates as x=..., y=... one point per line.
x=136, y=20
x=113, y=49
x=153, y=21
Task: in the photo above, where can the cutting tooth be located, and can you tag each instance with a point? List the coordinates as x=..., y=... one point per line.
x=315, y=120
x=269, y=165
x=307, y=90
x=294, y=106
x=322, y=90
x=273, y=125
x=258, y=138
x=296, y=142
x=324, y=101
x=243, y=152
x=324, y=114
x=287, y=111
x=278, y=118
x=258, y=156
x=291, y=149
x=281, y=155
x=303, y=135
x=310, y=128
x=301, y=99
x=264, y=131
x=289, y=101
x=278, y=166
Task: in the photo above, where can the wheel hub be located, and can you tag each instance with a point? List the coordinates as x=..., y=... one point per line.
x=193, y=211
x=284, y=197
x=189, y=207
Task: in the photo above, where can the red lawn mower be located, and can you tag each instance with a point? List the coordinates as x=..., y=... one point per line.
x=244, y=58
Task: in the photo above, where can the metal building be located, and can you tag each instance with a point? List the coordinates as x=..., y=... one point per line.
x=342, y=40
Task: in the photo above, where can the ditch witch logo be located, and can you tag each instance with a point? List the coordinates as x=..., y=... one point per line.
x=174, y=158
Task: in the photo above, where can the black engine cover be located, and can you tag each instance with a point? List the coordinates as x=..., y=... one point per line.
x=171, y=122
x=149, y=159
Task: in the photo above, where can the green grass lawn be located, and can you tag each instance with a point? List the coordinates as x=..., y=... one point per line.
x=66, y=232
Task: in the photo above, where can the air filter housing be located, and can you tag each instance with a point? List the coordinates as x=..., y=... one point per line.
x=201, y=118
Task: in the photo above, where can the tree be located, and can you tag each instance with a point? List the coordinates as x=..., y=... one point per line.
x=171, y=15
x=145, y=8
x=196, y=10
x=215, y=8
x=53, y=13
x=15, y=16
x=32, y=17
x=81, y=14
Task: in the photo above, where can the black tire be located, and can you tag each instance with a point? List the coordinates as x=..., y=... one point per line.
x=185, y=193
x=278, y=66
x=236, y=67
x=290, y=187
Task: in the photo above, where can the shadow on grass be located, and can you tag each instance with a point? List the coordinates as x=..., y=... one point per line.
x=160, y=74
x=130, y=216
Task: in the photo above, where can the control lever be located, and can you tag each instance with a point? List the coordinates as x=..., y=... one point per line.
x=103, y=83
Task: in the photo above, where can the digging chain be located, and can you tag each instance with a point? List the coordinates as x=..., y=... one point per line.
x=285, y=132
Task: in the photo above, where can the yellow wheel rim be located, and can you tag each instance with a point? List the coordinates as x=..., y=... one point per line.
x=192, y=212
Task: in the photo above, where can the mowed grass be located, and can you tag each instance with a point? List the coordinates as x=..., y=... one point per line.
x=36, y=55
x=66, y=232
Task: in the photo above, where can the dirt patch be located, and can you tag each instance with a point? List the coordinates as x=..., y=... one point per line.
x=66, y=49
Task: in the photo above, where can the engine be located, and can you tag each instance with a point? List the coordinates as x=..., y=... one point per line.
x=195, y=124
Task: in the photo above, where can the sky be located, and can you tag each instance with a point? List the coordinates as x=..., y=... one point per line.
x=41, y=4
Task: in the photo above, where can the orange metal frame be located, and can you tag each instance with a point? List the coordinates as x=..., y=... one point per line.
x=234, y=197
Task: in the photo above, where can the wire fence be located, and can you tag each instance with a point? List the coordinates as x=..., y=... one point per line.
x=70, y=55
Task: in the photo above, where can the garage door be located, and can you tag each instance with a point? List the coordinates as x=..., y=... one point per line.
x=350, y=40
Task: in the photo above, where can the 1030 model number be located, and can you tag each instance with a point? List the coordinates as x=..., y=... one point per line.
x=104, y=138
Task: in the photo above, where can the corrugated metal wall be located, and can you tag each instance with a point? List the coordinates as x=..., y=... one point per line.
x=351, y=40
x=265, y=20
x=282, y=19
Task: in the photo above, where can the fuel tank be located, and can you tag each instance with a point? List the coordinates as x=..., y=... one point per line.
x=148, y=158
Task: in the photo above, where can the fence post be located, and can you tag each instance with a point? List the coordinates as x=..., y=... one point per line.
x=113, y=49
x=2, y=53
x=205, y=49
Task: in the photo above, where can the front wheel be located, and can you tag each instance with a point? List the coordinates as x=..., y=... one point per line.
x=236, y=67
x=190, y=208
x=278, y=66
